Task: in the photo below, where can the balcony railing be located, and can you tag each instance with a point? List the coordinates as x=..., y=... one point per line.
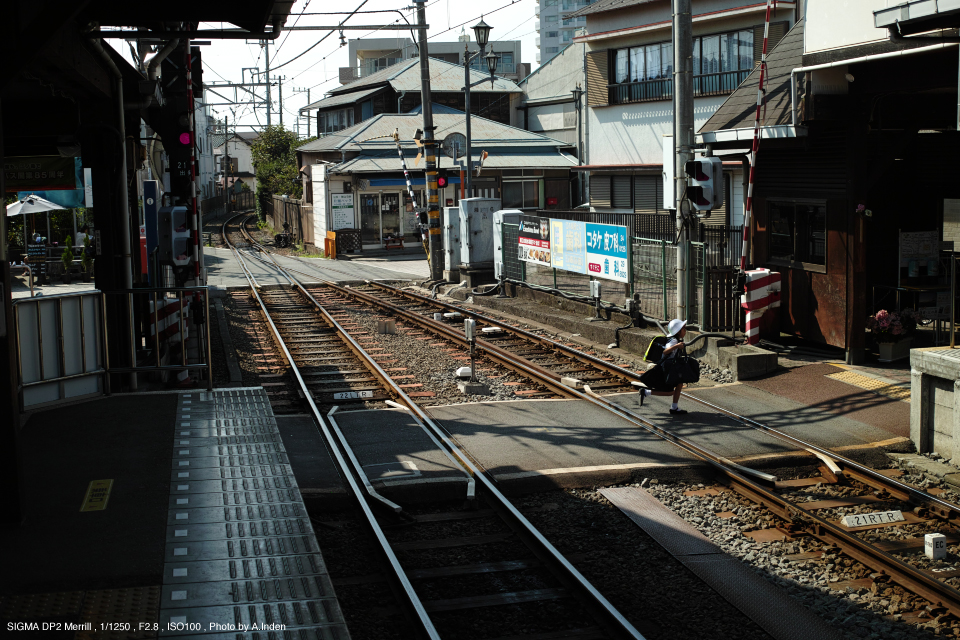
x=710, y=84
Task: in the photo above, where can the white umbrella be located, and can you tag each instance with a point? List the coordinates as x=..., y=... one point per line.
x=31, y=204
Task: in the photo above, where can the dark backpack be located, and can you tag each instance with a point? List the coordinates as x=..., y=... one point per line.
x=655, y=349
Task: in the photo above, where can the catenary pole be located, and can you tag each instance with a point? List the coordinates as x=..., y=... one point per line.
x=683, y=89
x=468, y=175
x=429, y=148
x=266, y=50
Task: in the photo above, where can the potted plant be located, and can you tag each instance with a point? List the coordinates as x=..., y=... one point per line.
x=67, y=259
x=86, y=262
x=893, y=332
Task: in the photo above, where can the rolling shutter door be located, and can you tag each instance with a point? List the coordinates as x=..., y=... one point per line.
x=777, y=31
x=647, y=194
x=622, y=196
x=597, y=67
x=600, y=191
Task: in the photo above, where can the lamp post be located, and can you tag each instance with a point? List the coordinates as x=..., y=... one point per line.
x=482, y=32
x=577, y=95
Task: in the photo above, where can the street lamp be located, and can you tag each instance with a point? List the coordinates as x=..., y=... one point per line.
x=482, y=32
x=577, y=95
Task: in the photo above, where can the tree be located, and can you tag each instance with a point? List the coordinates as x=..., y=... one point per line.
x=275, y=163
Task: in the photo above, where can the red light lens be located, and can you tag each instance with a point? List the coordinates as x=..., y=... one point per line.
x=185, y=137
x=441, y=182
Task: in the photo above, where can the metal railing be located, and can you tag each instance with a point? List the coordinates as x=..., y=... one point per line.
x=59, y=347
x=150, y=335
x=709, y=84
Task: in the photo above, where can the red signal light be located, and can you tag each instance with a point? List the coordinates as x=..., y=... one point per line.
x=441, y=182
x=186, y=137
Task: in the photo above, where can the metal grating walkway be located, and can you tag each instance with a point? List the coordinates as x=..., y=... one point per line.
x=241, y=559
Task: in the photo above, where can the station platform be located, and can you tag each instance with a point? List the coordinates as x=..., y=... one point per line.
x=180, y=510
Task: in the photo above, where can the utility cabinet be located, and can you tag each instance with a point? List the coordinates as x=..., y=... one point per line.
x=500, y=255
x=476, y=232
x=175, y=242
x=451, y=243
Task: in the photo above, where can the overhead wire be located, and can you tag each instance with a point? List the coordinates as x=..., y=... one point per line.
x=282, y=42
x=326, y=35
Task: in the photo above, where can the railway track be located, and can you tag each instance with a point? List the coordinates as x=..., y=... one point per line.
x=548, y=362
x=513, y=573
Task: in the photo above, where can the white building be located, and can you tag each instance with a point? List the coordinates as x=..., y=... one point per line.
x=555, y=27
x=236, y=145
x=629, y=67
x=370, y=55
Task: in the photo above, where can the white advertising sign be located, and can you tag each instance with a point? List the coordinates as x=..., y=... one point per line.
x=341, y=205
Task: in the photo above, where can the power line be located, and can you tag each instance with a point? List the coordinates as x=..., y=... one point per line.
x=277, y=50
x=513, y=2
x=327, y=35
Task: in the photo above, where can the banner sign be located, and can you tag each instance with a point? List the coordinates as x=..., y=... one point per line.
x=607, y=248
x=39, y=173
x=534, y=240
x=342, y=206
x=569, y=251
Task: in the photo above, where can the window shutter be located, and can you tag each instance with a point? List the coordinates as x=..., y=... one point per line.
x=647, y=194
x=719, y=215
x=622, y=196
x=600, y=191
x=777, y=31
x=597, y=74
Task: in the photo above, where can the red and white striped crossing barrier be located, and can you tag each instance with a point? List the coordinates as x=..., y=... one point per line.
x=762, y=293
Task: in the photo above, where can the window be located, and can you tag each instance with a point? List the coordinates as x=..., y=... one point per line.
x=551, y=3
x=552, y=49
x=338, y=120
x=720, y=63
x=567, y=36
x=615, y=192
x=552, y=34
x=551, y=20
x=521, y=195
x=798, y=232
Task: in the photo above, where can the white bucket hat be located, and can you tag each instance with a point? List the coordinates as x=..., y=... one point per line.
x=674, y=327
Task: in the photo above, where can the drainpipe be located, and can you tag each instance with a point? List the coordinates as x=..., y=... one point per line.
x=840, y=63
x=400, y=100
x=127, y=262
x=153, y=67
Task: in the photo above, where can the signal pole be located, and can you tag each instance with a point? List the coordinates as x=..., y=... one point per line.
x=683, y=89
x=281, y=99
x=429, y=146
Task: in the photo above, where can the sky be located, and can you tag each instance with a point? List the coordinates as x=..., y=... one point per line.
x=318, y=68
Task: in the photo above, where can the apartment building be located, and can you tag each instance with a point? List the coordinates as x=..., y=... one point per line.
x=629, y=84
x=556, y=28
x=371, y=55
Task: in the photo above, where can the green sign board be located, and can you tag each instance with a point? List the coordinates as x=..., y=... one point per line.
x=39, y=173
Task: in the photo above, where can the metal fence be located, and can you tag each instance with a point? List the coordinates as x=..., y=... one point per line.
x=653, y=262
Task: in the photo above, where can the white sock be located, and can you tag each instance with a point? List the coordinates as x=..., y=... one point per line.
x=674, y=406
x=646, y=393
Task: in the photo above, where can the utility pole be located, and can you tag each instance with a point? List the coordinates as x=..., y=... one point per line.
x=433, y=206
x=266, y=48
x=224, y=162
x=281, y=99
x=307, y=91
x=683, y=118
x=468, y=176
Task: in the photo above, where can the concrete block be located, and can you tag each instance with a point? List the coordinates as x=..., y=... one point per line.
x=473, y=388
x=573, y=383
x=935, y=546
x=746, y=361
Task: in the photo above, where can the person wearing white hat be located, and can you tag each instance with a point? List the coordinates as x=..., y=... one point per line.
x=676, y=330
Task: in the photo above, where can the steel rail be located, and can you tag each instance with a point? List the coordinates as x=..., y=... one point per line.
x=907, y=576
x=608, y=616
x=938, y=506
x=413, y=600
x=937, y=592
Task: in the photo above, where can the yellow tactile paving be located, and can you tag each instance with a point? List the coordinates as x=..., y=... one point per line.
x=872, y=384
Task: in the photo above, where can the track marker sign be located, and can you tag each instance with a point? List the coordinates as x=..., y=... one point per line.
x=873, y=519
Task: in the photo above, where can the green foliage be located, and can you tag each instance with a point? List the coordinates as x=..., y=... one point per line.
x=67, y=256
x=275, y=163
x=86, y=262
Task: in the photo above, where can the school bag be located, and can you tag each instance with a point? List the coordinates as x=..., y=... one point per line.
x=655, y=349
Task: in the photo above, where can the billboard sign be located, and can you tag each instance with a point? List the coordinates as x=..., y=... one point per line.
x=341, y=205
x=534, y=240
x=607, y=251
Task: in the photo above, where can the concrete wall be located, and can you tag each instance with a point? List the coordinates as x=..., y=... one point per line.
x=633, y=133
x=832, y=25
x=934, y=398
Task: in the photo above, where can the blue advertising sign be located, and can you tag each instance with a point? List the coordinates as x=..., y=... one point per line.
x=569, y=249
x=607, y=248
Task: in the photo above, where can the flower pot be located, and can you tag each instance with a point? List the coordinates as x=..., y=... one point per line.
x=893, y=351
